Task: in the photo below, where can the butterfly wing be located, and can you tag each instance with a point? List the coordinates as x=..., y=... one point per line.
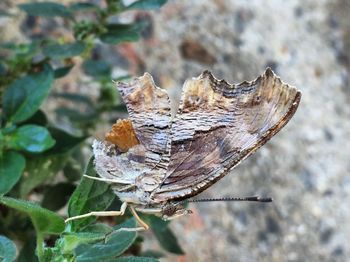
x=218, y=125
x=149, y=111
x=137, y=160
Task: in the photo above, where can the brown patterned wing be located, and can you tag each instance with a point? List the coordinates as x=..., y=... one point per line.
x=134, y=148
x=149, y=111
x=218, y=125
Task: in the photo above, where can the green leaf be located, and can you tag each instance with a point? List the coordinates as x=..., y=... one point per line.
x=39, y=118
x=146, y=4
x=8, y=45
x=116, y=244
x=25, y=50
x=62, y=71
x=40, y=169
x=118, y=33
x=91, y=234
x=119, y=108
x=7, y=250
x=46, y=9
x=54, y=254
x=45, y=221
x=98, y=228
x=164, y=235
x=77, y=116
x=24, y=96
x=152, y=254
x=83, y=7
x=31, y=138
x=134, y=259
x=3, y=69
x=73, y=170
x=55, y=197
x=90, y=195
x=65, y=141
x=97, y=68
x=61, y=51
x=4, y=13
x=75, y=98
x=108, y=96
x=27, y=253
x=11, y=167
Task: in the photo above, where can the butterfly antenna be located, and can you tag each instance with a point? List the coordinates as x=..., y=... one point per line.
x=227, y=199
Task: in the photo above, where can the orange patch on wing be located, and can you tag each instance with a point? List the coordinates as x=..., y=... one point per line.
x=122, y=135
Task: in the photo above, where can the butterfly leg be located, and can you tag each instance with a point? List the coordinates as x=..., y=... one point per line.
x=113, y=181
x=143, y=226
x=138, y=219
x=101, y=213
x=106, y=180
x=186, y=212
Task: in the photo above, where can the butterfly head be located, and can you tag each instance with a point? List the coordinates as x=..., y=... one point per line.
x=173, y=210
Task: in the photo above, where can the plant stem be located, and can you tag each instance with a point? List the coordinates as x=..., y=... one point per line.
x=40, y=246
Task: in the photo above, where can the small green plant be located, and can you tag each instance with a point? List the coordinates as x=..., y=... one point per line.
x=39, y=161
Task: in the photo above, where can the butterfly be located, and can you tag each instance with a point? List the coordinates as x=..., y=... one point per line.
x=154, y=162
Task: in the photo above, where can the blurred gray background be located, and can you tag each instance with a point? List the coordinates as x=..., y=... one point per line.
x=305, y=167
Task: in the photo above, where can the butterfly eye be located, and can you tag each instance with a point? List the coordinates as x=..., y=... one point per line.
x=173, y=209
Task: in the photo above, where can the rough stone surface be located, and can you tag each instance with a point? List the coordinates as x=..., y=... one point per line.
x=305, y=168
